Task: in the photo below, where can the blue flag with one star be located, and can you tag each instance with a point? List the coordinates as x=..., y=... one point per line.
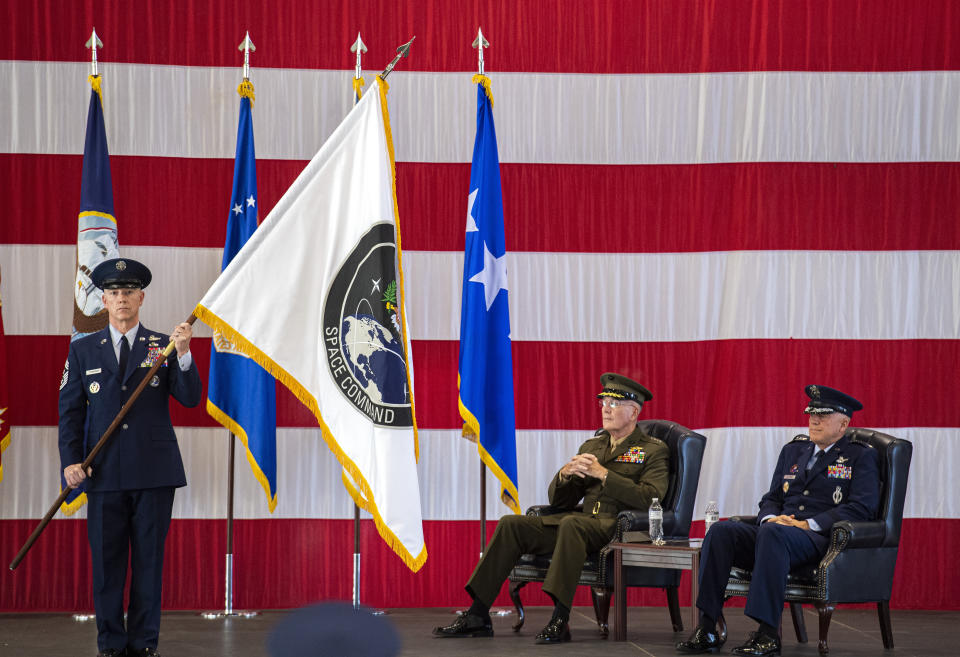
x=486, y=364
x=242, y=395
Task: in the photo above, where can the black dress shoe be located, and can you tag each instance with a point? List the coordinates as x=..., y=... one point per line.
x=556, y=631
x=702, y=640
x=466, y=626
x=112, y=652
x=147, y=652
x=759, y=644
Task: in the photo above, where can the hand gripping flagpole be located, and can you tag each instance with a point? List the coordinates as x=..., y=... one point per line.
x=87, y=462
x=228, y=611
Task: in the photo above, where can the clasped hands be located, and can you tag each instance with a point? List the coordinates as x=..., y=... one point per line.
x=789, y=521
x=583, y=465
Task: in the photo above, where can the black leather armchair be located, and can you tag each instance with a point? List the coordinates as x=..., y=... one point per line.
x=686, y=456
x=859, y=564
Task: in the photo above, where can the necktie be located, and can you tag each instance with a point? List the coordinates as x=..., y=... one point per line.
x=812, y=463
x=124, y=357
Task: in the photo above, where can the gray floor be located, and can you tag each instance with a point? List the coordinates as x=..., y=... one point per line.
x=853, y=632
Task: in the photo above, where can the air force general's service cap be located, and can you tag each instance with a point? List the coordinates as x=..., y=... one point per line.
x=120, y=273
x=824, y=400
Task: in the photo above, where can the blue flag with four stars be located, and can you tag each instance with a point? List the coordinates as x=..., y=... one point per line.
x=486, y=364
x=242, y=395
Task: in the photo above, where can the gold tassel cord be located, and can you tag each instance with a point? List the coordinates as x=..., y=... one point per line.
x=358, y=87
x=94, y=81
x=487, y=88
x=246, y=91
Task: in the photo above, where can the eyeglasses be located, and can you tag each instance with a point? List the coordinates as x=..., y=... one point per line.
x=612, y=403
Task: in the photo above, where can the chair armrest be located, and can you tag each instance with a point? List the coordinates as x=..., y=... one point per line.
x=630, y=520
x=549, y=510
x=750, y=520
x=848, y=534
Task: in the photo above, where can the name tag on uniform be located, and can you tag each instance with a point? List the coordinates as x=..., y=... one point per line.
x=632, y=455
x=96, y=371
x=839, y=472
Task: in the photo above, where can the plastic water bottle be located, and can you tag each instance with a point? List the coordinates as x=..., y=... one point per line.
x=655, y=517
x=711, y=515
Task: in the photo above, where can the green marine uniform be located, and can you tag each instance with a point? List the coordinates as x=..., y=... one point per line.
x=638, y=471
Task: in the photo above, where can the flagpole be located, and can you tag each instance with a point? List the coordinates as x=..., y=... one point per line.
x=480, y=43
x=359, y=48
x=92, y=43
x=402, y=51
x=228, y=612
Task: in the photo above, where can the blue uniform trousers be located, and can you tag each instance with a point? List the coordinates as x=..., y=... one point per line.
x=771, y=551
x=124, y=525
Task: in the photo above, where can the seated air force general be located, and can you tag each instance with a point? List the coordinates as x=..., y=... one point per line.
x=818, y=481
x=619, y=468
x=131, y=482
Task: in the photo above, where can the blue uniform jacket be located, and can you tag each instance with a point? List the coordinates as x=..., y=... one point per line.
x=143, y=451
x=844, y=486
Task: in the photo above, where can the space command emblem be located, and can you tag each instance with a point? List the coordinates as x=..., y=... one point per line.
x=361, y=330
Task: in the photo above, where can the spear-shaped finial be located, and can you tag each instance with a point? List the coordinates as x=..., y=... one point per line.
x=359, y=48
x=402, y=51
x=93, y=43
x=480, y=43
x=247, y=47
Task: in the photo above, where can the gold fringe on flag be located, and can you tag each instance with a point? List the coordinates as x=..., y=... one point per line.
x=246, y=91
x=94, y=81
x=485, y=81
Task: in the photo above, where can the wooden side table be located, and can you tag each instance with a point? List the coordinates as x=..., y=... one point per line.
x=678, y=555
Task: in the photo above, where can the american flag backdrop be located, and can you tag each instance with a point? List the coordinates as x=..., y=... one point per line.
x=726, y=201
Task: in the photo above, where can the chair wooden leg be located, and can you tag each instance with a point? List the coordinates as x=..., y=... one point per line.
x=722, y=628
x=601, y=607
x=673, y=603
x=796, y=613
x=515, y=597
x=825, y=609
x=886, y=630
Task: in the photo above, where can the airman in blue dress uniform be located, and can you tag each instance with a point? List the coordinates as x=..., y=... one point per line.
x=818, y=481
x=131, y=483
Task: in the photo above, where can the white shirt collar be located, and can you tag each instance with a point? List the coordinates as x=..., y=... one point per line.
x=115, y=334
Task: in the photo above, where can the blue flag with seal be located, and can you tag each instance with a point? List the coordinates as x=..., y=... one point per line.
x=485, y=373
x=241, y=394
x=96, y=242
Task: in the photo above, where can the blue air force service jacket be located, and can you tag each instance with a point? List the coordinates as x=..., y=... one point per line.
x=845, y=485
x=143, y=451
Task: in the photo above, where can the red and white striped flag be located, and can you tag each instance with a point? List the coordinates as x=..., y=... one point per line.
x=726, y=201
